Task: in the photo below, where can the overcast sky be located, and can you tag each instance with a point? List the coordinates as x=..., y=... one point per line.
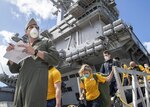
x=15, y=14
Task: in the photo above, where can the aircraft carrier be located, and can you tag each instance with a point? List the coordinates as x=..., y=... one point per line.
x=84, y=29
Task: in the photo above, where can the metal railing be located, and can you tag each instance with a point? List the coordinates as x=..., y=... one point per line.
x=138, y=96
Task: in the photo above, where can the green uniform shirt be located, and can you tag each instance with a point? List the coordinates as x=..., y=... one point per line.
x=31, y=86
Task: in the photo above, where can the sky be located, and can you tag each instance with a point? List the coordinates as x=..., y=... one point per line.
x=15, y=13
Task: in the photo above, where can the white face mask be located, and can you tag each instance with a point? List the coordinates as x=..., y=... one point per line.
x=34, y=33
x=106, y=58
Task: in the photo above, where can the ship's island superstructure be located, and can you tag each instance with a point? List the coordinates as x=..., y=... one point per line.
x=84, y=29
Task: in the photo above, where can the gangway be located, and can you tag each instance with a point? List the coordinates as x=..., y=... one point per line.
x=143, y=97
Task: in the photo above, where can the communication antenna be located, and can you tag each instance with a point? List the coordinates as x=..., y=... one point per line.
x=16, y=37
x=62, y=7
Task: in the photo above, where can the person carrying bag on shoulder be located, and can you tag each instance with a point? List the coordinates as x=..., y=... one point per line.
x=90, y=86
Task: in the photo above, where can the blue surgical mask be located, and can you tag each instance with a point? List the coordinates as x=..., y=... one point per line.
x=87, y=75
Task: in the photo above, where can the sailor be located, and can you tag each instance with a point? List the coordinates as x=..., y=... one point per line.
x=89, y=85
x=136, y=67
x=125, y=79
x=32, y=83
x=106, y=68
x=147, y=70
x=54, y=88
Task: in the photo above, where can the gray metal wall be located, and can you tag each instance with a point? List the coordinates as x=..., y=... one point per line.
x=85, y=33
x=69, y=97
x=6, y=96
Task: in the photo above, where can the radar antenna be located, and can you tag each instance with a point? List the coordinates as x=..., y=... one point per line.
x=62, y=8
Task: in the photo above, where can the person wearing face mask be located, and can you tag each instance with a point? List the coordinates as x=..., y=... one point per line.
x=136, y=67
x=106, y=69
x=32, y=84
x=89, y=86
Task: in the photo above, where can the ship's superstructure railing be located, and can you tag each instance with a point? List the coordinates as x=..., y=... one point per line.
x=138, y=96
x=10, y=81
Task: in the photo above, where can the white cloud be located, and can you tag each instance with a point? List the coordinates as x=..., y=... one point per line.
x=15, y=14
x=5, y=38
x=147, y=45
x=42, y=8
x=38, y=20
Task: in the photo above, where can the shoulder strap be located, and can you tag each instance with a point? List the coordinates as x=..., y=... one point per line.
x=95, y=77
x=82, y=80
